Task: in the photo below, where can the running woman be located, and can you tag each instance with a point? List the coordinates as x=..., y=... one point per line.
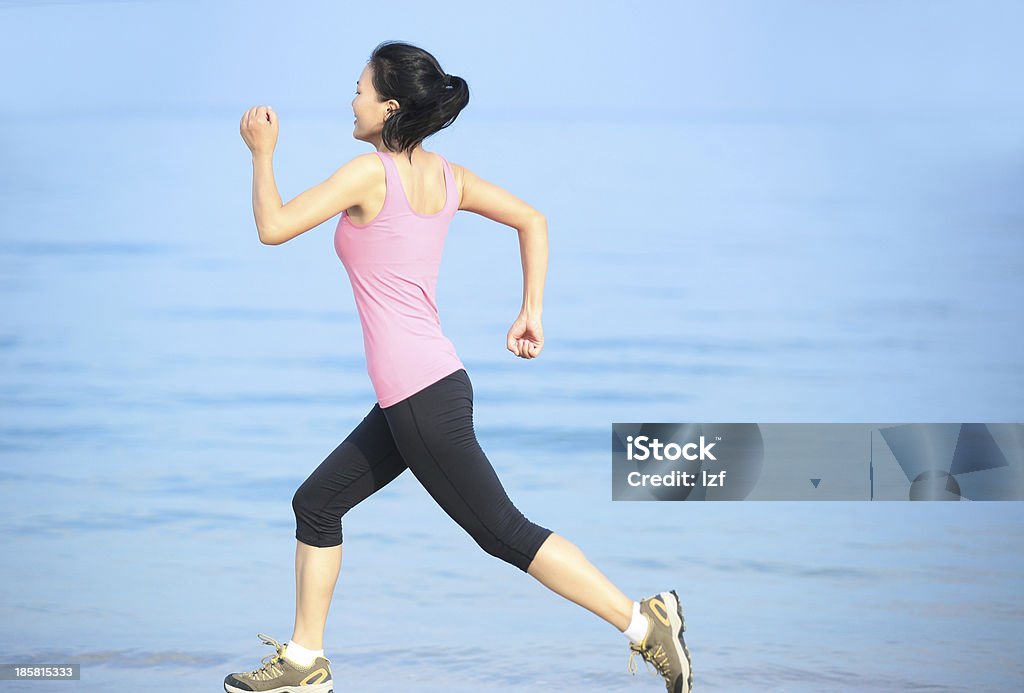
x=396, y=204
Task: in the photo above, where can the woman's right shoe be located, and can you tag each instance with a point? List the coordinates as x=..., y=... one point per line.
x=280, y=675
x=663, y=644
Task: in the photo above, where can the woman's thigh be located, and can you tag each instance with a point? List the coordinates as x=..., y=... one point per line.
x=362, y=464
x=433, y=429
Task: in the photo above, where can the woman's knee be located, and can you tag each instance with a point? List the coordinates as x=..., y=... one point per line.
x=313, y=525
x=303, y=500
x=516, y=543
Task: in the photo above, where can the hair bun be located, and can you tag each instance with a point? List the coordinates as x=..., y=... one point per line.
x=430, y=98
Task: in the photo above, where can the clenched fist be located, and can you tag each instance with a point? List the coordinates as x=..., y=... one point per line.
x=526, y=337
x=259, y=129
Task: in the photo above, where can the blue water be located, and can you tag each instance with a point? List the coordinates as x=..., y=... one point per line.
x=166, y=383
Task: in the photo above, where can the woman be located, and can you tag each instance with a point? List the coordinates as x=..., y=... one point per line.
x=396, y=204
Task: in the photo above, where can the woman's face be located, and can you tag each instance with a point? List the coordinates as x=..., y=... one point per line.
x=369, y=112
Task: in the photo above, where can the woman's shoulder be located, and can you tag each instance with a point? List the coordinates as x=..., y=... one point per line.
x=459, y=172
x=367, y=168
x=368, y=160
x=460, y=176
x=364, y=163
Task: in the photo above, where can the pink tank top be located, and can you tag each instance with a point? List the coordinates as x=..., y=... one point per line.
x=393, y=264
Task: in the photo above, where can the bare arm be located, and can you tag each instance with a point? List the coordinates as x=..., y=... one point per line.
x=533, y=252
x=345, y=188
x=526, y=337
x=266, y=202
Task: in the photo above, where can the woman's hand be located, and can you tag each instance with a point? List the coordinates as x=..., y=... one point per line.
x=525, y=337
x=259, y=129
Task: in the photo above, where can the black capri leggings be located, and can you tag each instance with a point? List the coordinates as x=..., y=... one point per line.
x=431, y=433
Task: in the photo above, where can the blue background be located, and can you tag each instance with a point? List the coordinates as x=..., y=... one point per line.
x=758, y=211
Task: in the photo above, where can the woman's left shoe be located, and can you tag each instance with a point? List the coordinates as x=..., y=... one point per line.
x=663, y=644
x=280, y=675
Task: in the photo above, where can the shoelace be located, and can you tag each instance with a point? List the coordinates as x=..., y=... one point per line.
x=271, y=663
x=651, y=655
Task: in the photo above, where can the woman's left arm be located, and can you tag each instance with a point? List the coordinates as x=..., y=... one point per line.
x=266, y=201
x=259, y=129
x=277, y=223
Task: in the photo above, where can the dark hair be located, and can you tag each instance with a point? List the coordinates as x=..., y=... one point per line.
x=429, y=99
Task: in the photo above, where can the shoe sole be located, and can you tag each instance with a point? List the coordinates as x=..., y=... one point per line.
x=315, y=688
x=677, y=619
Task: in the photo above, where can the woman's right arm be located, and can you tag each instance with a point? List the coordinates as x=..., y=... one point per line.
x=525, y=338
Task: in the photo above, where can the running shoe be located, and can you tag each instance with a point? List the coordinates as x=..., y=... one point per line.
x=663, y=645
x=280, y=675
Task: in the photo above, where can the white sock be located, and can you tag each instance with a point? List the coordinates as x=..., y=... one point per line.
x=300, y=655
x=637, y=628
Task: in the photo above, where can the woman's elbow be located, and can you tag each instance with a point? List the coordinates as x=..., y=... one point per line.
x=535, y=219
x=267, y=238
